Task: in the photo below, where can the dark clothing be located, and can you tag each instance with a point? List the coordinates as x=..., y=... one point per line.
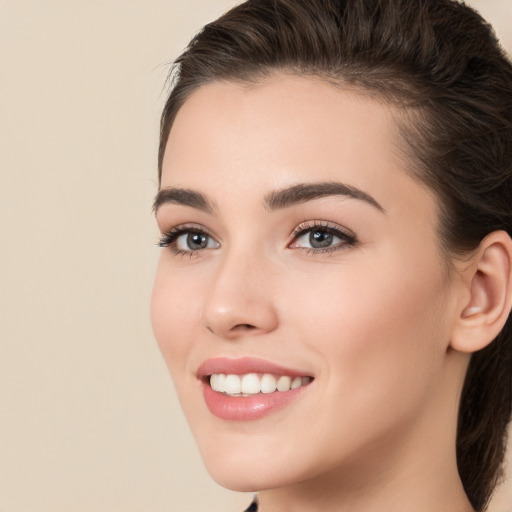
x=253, y=507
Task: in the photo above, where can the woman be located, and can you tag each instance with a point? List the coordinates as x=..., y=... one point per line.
x=333, y=297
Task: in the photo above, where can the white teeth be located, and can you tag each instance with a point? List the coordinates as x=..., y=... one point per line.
x=268, y=383
x=253, y=383
x=284, y=383
x=217, y=381
x=296, y=382
x=233, y=385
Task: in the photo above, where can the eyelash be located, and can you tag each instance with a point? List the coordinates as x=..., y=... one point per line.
x=348, y=239
x=170, y=238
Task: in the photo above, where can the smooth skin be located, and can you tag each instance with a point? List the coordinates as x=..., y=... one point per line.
x=378, y=317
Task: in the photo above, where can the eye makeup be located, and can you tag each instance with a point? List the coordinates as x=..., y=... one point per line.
x=312, y=237
x=320, y=237
x=187, y=239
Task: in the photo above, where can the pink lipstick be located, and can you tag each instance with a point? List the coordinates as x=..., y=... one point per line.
x=248, y=388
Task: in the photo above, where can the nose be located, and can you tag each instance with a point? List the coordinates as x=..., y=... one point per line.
x=240, y=301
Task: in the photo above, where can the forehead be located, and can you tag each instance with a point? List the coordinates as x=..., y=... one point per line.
x=285, y=130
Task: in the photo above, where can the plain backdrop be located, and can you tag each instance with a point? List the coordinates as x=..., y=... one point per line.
x=88, y=417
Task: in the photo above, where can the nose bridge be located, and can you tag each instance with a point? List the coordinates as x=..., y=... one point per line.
x=240, y=297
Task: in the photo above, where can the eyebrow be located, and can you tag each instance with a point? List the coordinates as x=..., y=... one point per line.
x=182, y=196
x=304, y=192
x=276, y=200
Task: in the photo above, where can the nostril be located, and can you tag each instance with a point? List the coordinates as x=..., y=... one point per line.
x=244, y=327
x=238, y=328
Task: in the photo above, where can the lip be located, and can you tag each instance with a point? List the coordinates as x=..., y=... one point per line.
x=246, y=408
x=243, y=365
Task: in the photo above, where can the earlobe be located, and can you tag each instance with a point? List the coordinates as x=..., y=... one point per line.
x=489, y=283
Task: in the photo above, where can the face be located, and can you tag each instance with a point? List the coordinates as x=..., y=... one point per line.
x=298, y=252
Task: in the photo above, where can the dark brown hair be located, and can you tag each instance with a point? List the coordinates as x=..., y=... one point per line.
x=440, y=63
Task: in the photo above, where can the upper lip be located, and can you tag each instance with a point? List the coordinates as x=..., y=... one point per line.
x=244, y=365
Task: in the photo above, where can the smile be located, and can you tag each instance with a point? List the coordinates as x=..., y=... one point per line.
x=248, y=389
x=254, y=383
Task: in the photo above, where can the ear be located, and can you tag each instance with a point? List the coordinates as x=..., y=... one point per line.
x=487, y=297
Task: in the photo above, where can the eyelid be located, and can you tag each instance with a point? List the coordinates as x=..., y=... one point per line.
x=306, y=226
x=347, y=236
x=169, y=237
x=185, y=226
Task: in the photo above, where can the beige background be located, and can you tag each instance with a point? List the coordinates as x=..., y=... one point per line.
x=88, y=417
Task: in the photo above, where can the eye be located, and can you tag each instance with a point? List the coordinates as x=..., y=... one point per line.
x=321, y=237
x=194, y=241
x=183, y=239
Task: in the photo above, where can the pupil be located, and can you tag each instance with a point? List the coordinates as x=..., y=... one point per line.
x=196, y=241
x=319, y=239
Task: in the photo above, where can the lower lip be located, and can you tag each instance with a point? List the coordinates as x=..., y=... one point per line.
x=244, y=408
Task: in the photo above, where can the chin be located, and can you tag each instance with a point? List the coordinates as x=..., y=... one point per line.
x=237, y=482
x=263, y=463
x=247, y=469
x=237, y=470
x=246, y=478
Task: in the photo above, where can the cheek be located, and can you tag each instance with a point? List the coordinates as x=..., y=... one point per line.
x=378, y=329
x=174, y=314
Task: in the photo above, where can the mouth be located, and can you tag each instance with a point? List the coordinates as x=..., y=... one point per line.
x=251, y=384
x=247, y=388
